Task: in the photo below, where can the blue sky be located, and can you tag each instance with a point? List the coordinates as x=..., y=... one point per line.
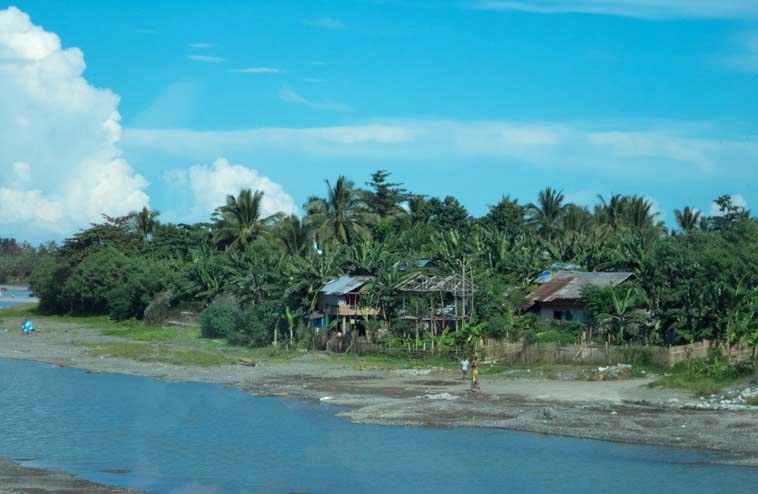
x=472, y=98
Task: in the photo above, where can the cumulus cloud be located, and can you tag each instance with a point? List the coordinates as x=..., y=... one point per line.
x=646, y=9
x=60, y=140
x=209, y=186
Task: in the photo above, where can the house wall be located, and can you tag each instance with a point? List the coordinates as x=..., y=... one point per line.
x=578, y=313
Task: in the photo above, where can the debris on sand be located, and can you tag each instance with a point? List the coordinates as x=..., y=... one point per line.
x=612, y=373
x=441, y=396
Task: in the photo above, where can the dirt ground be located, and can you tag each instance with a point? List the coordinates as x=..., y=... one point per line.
x=622, y=411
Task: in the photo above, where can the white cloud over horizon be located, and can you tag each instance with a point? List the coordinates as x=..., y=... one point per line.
x=681, y=148
x=205, y=58
x=210, y=184
x=289, y=96
x=60, y=145
x=645, y=9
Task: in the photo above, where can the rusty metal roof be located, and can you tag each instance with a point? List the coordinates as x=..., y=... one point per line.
x=568, y=285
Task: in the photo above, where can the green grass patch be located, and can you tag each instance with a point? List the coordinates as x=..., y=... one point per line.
x=25, y=311
x=145, y=352
x=700, y=386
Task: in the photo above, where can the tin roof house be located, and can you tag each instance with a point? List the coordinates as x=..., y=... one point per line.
x=343, y=300
x=559, y=295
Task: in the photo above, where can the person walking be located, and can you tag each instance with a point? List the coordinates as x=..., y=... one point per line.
x=464, y=368
x=474, y=373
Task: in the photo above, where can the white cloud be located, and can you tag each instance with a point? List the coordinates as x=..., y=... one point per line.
x=201, y=46
x=746, y=60
x=646, y=9
x=288, y=95
x=652, y=149
x=257, y=70
x=326, y=23
x=655, y=208
x=60, y=139
x=737, y=200
x=211, y=184
x=205, y=58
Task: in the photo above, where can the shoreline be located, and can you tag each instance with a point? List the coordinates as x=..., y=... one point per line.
x=18, y=479
x=626, y=412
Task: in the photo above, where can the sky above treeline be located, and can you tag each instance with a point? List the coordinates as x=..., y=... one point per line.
x=106, y=107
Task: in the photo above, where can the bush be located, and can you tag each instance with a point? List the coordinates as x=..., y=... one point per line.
x=220, y=319
x=256, y=327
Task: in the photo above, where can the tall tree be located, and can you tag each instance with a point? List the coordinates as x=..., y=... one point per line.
x=341, y=215
x=507, y=216
x=687, y=219
x=547, y=212
x=639, y=213
x=611, y=212
x=448, y=213
x=294, y=235
x=145, y=222
x=576, y=219
x=239, y=221
x=385, y=198
x=729, y=213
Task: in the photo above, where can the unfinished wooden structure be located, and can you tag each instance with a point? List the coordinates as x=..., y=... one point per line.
x=436, y=302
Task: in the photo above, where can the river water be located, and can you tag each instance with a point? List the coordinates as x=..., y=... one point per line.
x=10, y=298
x=188, y=438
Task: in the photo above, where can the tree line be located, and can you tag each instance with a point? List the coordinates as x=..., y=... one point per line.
x=262, y=273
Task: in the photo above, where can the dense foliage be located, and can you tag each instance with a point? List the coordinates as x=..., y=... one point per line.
x=697, y=280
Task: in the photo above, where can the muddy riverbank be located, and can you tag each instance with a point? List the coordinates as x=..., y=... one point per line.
x=16, y=479
x=621, y=411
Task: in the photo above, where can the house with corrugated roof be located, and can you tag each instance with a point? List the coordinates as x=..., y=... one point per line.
x=559, y=295
x=343, y=300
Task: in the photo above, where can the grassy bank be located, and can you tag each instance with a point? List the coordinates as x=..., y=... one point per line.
x=185, y=346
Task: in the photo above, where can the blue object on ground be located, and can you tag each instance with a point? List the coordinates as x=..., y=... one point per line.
x=27, y=327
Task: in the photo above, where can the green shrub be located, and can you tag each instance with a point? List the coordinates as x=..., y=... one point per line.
x=220, y=319
x=256, y=327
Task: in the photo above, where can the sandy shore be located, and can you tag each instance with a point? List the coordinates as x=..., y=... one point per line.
x=619, y=411
x=15, y=479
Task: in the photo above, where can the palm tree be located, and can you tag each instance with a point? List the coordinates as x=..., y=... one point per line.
x=341, y=215
x=145, y=222
x=611, y=213
x=294, y=235
x=639, y=213
x=687, y=219
x=547, y=213
x=577, y=219
x=239, y=221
